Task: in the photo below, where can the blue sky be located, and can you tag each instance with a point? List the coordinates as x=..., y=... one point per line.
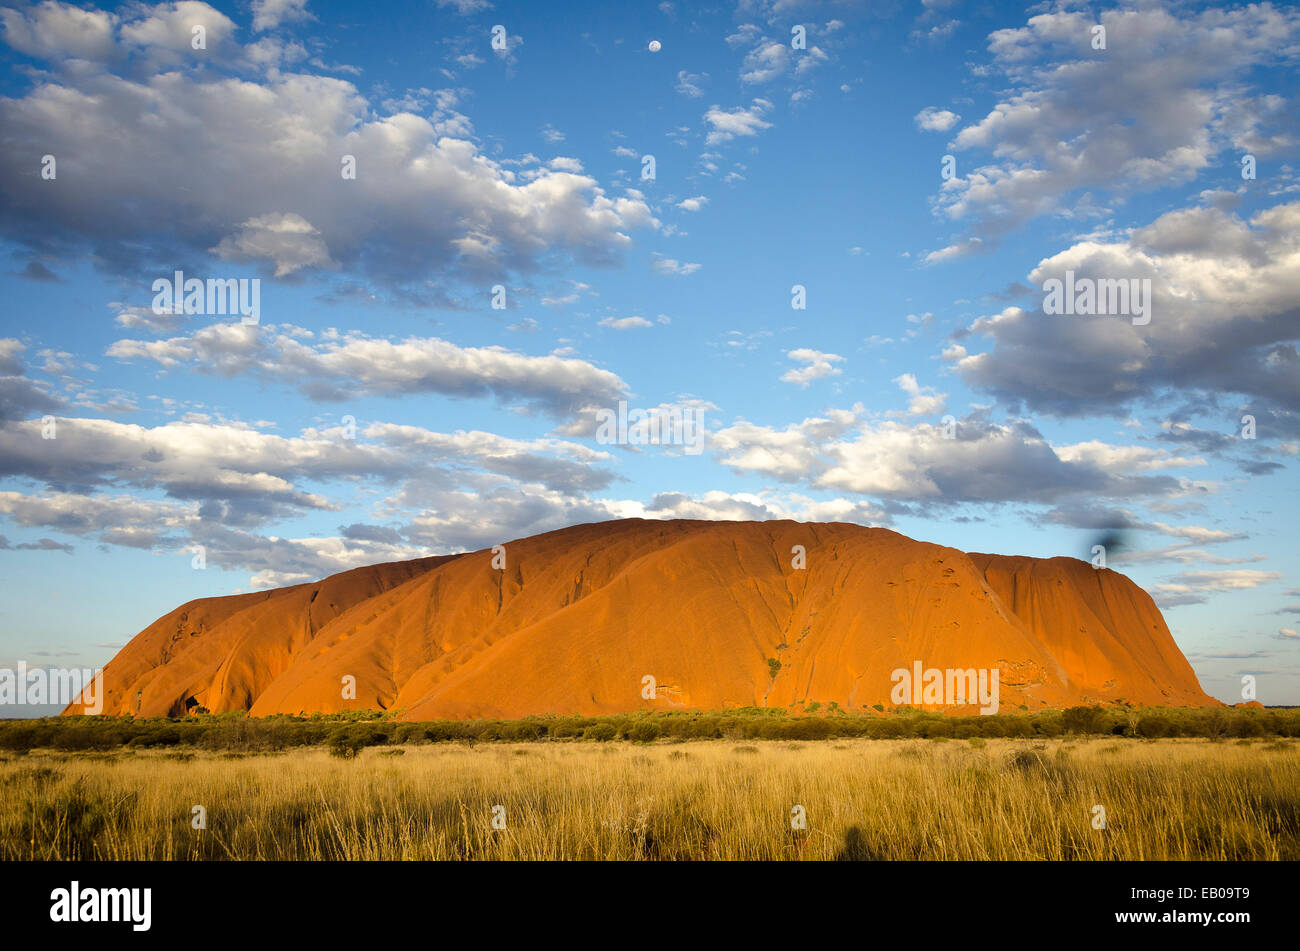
x=775, y=166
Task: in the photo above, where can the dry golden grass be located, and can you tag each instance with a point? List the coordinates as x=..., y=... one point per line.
x=867, y=799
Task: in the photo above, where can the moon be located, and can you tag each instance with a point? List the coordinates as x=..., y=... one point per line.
x=655, y=46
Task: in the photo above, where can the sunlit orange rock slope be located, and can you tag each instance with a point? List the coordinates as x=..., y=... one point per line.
x=580, y=616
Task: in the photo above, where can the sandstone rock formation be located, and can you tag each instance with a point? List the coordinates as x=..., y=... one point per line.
x=715, y=612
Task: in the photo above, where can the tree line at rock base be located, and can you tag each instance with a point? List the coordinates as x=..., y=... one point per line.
x=347, y=733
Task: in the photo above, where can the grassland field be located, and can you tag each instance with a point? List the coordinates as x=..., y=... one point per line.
x=667, y=796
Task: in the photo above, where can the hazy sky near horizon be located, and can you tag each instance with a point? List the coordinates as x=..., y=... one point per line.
x=383, y=408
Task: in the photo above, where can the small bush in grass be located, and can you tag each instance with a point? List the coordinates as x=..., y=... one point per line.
x=1024, y=761
x=345, y=744
x=600, y=732
x=647, y=731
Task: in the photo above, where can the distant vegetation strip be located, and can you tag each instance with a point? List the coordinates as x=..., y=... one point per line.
x=347, y=733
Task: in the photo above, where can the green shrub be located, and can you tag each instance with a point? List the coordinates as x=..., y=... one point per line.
x=18, y=738
x=993, y=726
x=409, y=733
x=939, y=726
x=1048, y=724
x=706, y=728
x=886, y=729
x=527, y=732
x=1081, y=719
x=564, y=729
x=1153, y=726
x=646, y=731
x=345, y=744
x=812, y=728
x=1246, y=726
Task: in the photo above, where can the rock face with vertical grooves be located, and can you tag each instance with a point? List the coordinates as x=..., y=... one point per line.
x=579, y=617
